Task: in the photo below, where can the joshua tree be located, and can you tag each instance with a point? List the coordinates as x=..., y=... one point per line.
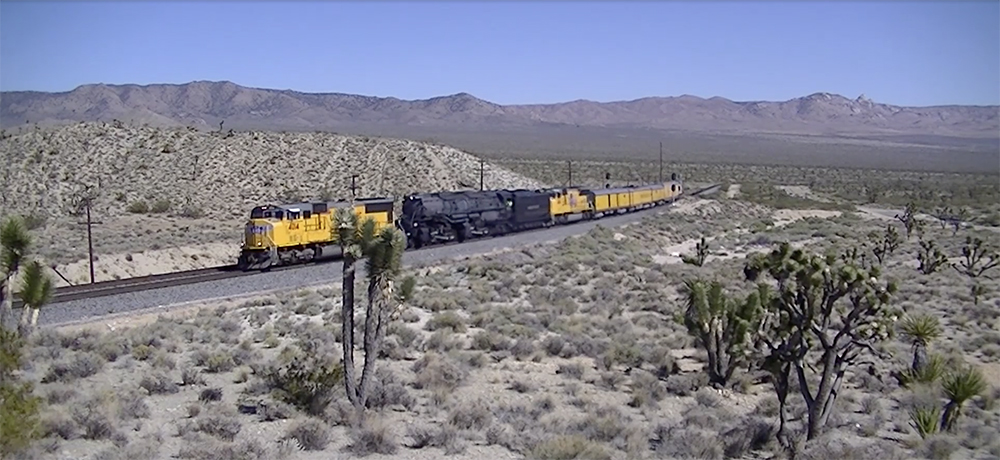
x=974, y=266
x=823, y=305
x=14, y=245
x=885, y=244
x=920, y=331
x=700, y=255
x=930, y=257
x=909, y=220
x=354, y=238
x=725, y=328
x=36, y=291
x=384, y=250
x=383, y=266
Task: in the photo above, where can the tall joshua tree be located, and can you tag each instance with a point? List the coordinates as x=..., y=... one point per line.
x=385, y=256
x=355, y=237
x=383, y=251
x=822, y=306
x=14, y=245
x=726, y=328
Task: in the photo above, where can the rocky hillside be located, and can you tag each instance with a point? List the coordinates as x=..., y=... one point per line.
x=206, y=104
x=167, y=188
x=188, y=172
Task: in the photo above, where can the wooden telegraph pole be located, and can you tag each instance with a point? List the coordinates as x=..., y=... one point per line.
x=569, y=164
x=90, y=238
x=661, y=162
x=481, y=166
x=353, y=186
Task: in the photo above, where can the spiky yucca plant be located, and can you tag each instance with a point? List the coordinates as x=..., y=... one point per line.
x=925, y=420
x=959, y=387
x=933, y=369
x=920, y=331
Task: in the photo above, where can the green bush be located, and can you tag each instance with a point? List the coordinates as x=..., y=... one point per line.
x=305, y=383
x=138, y=207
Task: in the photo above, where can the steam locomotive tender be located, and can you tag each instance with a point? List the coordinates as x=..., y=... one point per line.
x=434, y=218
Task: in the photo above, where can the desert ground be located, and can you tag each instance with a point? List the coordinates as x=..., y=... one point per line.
x=559, y=351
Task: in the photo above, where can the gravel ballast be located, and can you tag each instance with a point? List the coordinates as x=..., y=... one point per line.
x=327, y=273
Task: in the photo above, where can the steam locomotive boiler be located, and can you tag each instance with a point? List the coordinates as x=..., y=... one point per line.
x=434, y=218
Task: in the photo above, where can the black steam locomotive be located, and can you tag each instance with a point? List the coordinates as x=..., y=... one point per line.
x=434, y=218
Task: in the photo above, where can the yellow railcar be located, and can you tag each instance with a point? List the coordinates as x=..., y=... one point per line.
x=568, y=205
x=291, y=233
x=624, y=199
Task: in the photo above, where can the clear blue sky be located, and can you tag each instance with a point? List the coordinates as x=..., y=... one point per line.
x=919, y=53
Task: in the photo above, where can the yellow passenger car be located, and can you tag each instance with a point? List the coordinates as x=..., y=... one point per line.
x=624, y=199
x=292, y=233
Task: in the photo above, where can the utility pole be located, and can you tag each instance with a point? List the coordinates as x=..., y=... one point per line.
x=661, y=162
x=353, y=186
x=570, y=165
x=481, y=163
x=90, y=237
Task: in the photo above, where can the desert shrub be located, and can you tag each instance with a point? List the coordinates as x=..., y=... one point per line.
x=372, y=437
x=158, y=383
x=19, y=407
x=305, y=383
x=220, y=422
x=311, y=434
x=568, y=447
x=573, y=370
x=445, y=437
x=138, y=207
x=210, y=394
x=447, y=319
x=438, y=373
x=80, y=365
x=475, y=415
x=160, y=206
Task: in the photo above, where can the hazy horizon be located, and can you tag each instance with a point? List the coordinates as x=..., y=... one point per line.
x=909, y=54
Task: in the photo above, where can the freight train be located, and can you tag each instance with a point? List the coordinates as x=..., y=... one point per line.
x=287, y=234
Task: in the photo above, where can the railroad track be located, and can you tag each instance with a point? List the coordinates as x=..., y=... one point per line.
x=145, y=283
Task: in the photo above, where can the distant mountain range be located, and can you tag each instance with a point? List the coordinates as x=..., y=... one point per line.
x=206, y=104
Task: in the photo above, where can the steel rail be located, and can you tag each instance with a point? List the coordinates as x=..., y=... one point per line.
x=181, y=278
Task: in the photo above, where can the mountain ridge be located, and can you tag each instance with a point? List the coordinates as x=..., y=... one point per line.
x=205, y=103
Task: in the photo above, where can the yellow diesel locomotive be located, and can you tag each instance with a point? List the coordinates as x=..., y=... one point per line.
x=287, y=234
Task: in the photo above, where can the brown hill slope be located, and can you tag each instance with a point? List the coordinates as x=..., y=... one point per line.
x=206, y=104
x=215, y=177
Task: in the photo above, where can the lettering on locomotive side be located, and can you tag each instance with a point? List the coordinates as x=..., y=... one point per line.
x=256, y=229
